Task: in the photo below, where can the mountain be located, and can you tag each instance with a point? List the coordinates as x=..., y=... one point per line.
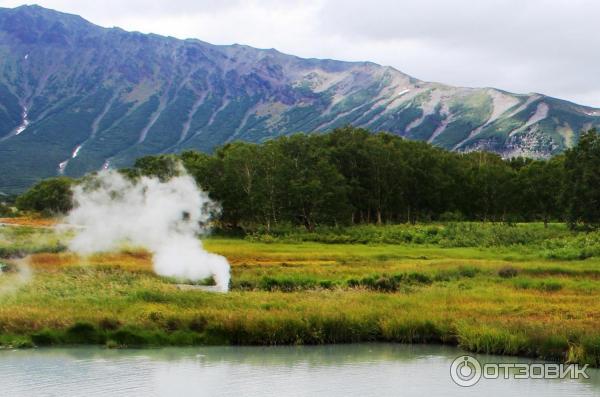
x=76, y=97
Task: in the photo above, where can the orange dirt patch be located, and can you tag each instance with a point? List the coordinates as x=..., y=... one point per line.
x=50, y=262
x=26, y=221
x=278, y=262
x=132, y=261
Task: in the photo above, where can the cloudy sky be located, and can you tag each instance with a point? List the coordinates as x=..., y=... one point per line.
x=547, y=46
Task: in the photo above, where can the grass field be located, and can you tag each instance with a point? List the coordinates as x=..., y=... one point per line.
x=538, y=297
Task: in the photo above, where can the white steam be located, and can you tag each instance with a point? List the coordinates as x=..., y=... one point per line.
x=163, y=217
x=15, y=279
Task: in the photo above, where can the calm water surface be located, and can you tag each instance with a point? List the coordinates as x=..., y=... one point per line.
x=341, y=370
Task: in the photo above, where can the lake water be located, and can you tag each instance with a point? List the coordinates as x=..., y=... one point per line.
x=341, y=370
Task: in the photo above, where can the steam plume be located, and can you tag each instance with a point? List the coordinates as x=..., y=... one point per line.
x=19, y=277
x=163, y=217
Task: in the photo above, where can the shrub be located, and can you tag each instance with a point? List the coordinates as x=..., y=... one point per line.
x=45, y=337
x=149, y=296
x=552, y=347
x=198, y=324
x=451, y=216
x=387, y=283
x=23, y=343
x=83, y=333
x=546, y=285
x=290, y=284
x=492, y=341
x=326, y=284
x=590, y=346
x=507, y=272
x=109, y=324
x=7, y=211
x=173, y=324
x=456, y=273
x=549, y=286
x=468, y=271
x=384, y=283
x=575, y=246
x=50, y=196
x=523, y=283
x=419, y=278
x=128, y=338
x=411, y=331
x=243, y=285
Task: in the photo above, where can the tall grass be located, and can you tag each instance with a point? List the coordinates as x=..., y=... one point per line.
x=452, y=234
x=552, y=242
x=20, y=241
x=505, y=299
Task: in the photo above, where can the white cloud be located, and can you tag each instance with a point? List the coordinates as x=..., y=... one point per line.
x=547, y=46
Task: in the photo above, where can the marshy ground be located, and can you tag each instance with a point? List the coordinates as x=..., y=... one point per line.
x=521, y=290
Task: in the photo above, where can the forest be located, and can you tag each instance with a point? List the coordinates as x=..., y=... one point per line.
x=352, y=176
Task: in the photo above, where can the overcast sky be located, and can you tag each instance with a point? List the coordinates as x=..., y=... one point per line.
x=547, y=46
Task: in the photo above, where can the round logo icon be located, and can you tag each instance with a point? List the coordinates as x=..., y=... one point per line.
x=465, y=371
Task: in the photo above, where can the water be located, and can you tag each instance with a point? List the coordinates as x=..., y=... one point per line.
x=342, y=370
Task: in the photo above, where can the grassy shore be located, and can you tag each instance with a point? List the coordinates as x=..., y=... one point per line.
x=519, y=290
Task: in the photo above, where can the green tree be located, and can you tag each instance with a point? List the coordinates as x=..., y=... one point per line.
x=427, y=181
x=272, y=184
x=492, y=187
x=203, y=167
x=239, y=187
x=540, y=187
x=164, y=167
x=241, y=177
x=312, y=189
x=352, y=175
x=387, y=170
x=51, y=196
x=349, y=154
x=582, y=180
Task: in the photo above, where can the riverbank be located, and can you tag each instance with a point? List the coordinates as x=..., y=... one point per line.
x=502, y=299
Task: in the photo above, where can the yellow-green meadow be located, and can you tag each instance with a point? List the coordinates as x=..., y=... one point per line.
x=517, y=299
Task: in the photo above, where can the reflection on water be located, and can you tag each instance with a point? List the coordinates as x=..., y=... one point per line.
x=340, y=370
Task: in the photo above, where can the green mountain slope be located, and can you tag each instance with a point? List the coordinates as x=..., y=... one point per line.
x=75, y=97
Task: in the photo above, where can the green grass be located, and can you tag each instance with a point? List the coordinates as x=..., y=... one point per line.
x=503, y=297
x=21, y=241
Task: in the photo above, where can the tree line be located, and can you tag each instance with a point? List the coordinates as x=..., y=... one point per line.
x=352, y=176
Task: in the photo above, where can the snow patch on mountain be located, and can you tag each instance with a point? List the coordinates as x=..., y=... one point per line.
x=24, y=123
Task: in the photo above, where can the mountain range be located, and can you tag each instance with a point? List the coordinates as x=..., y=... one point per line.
x=76, y=97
